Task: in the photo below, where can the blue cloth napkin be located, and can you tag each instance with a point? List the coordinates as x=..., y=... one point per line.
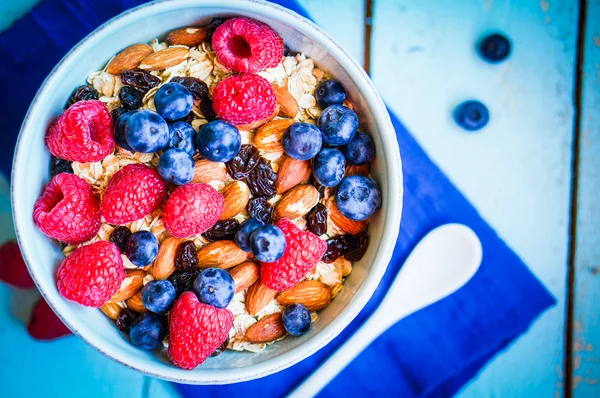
x=432, y=353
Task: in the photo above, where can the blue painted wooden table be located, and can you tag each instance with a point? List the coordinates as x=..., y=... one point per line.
x=532, y=173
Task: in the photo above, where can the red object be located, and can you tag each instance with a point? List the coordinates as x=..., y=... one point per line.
x=243, y=99
x=13, y=270
x=133, y=192
x=83, y=133
x=196, y=330
x=303, y=251
x=91, y=274
x=247, y=45
x=67, y=210
x=192, y=209
x=44, y=324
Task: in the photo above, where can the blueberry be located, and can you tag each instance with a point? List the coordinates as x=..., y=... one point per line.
x=147, y=331
x=495, y=48
x=182, y=136
x=146, y=131
x=176, y=166
x=214, y=286
x=358, y=197
x=471, y=115
x=268, y=243
x=242, y=236
x=338, y=124
x=120, y=130
x=173, y=101
x=296, y=319
x=330, y=92
x=130, y=98
x=360, y=150
x=141, y=248
x=302, y=141
x=159, y=296
x=219, y=141
x=329, y=167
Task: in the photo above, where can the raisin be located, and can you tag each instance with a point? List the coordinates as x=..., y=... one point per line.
x=119, y=237
x=223, y=230
x=117, y=112
x=186, y=255
x=58, y=165
x=197, y=87
x=83, y=93
x=187, y=118
x=260, y=209
x=244, y=162
x=183, y=280
x=358, y=247
x=262, y=180
x=316, y=219
x=141, y=80
x=220, y=349
x=213, y=25
x=125, y=319
x=130, y=98
x=287, y=52
x=206, y=107
x=336, y=247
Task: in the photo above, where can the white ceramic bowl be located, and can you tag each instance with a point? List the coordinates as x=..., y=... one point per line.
x=139, y=25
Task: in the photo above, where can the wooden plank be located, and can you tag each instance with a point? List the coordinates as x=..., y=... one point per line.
x=517, y=170
x=586, y=331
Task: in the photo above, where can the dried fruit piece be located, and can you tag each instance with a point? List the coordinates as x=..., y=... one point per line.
x=197, y=87
x=244, y=275
x=222, y=230
x=183, y=280
x=221, y=348
x=291, y=173
x=129, y=58
x=236, y=196
x=221, y=254
x=296, y=202
x=164, y=264
x=336, y=247
x=125, y=319
x=266, y=330
x=58, y=165
x=83, y=93
x=207, y=109
x=258, y=296
x=141, y=80
x=186, y=255
x=165, y=58
x=190, y=37
x=262, y=180
x=119, y=237
x=244, y=162
x=314, y=295
x=260, y=209
x=358, y=247
x=316, y=219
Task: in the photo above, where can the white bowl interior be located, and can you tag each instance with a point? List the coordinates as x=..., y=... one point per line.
x=31, y=174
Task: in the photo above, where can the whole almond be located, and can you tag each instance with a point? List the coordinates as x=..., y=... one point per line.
x=357, y=170
x=343, y=222
x=258, y=296
x=163, y=59
x=190, y=37
x=129, y=58
x=221, y=254
x=206, y=172
x=269, y=328
x=296, y=202
x=135, y=303
x=268, y=137
x=244, y=275
x=111, y=310
x=348, y=104
x=291, y=173
x=164, y=265
x=288, y=106
x=314, y=295
x=133, y=283
x=258, y=123
x=236, y=196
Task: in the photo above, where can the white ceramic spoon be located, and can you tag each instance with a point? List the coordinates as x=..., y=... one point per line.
x=443, y=261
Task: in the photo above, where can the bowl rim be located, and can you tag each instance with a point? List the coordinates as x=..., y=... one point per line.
x=394, y=200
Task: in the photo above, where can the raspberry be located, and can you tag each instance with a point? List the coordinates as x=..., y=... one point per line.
x=13, y=270
x=196, y=330
x=83, y=133
x=133, y=192
x=44, y=324
x=91, y=274
x=243, y=99
x=192, y=209
x=67, y=210
x=303, y=251
x=247, y=45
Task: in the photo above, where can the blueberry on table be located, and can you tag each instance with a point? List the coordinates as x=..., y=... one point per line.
x=214, y=286
x=360, y=150
x=330, y=92
x=119, y=130
x=268, y=243
x=173, y=101
x=338, y=124
x=329, y=167
x=495, y=48
x=159, y=296
x=219, y=141
x=176, y=166
x=296, y=319
x=141, y=248
x=358, y=197
x=471, y=115
x=146, y=131
x=242, y=237
x=147, y=331
x=182, y=136
x=302, y=141
x=130, y=98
